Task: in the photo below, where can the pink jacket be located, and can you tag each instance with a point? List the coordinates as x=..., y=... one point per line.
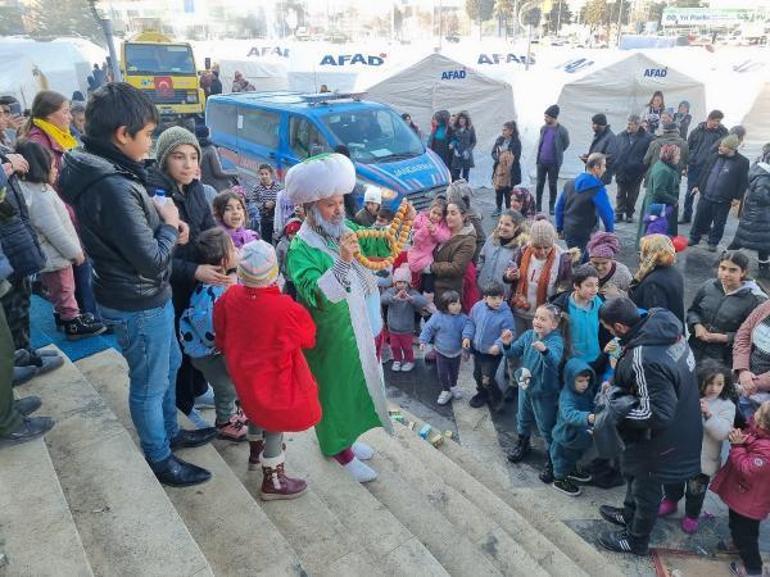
x=742, y=345
x=424, y=243
x=744, y=482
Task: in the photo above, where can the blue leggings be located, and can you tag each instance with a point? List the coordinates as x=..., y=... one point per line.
x=537, y=410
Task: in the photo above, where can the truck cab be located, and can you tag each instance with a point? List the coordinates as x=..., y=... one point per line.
x=284, y=128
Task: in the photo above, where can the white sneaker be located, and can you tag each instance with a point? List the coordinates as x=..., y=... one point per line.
x=396, y=366
x=444, y=397
x=457, y=392
x=406, y=367
x=361, y=472
x=362, y=451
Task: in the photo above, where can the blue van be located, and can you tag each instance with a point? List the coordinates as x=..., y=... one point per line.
x=284, y=128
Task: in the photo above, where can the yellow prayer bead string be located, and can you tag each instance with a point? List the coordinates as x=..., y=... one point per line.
x=397, y=234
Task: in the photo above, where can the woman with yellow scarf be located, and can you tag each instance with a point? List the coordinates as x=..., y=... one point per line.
x=49, y=125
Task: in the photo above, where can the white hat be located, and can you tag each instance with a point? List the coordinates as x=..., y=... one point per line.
x=320, y=177
x=373, y=194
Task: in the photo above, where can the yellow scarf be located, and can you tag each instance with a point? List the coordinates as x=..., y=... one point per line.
x=62, y=137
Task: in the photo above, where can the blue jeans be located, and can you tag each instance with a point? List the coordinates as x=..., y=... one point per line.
x=148, y=342
x=84, y=292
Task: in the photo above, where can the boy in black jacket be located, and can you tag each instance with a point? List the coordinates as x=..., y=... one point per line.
x=131, y=240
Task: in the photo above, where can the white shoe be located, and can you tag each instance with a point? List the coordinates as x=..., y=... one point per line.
x=361, y=472
x=396, y=366
x=362, y=451
x=406, y=367
x=444, y=397
x=457, y=392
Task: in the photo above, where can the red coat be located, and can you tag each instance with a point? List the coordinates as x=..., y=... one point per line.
x=744, y=482
x=262, y=333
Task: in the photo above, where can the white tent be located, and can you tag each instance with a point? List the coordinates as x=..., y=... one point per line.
x=19, y=79
x=618, y=89
x=266, y=74
x=757, y=123
x=65, y=62
x=437, y=82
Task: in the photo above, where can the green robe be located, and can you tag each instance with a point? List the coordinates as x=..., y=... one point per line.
x=350, y=382
x=662, y=188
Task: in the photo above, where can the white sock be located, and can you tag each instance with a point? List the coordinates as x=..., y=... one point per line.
x=361, y=472
x=362, y=451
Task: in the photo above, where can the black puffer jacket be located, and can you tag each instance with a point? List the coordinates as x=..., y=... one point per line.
x=120, y=229
x=721, y=313
x=195, y=210
x=663, y=287
x=664, y=432
x=606, y=143
x=732, y=180
x=629, y=164
x=701, y=141
x=754, y=228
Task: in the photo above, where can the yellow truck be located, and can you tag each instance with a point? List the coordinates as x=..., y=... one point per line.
x=166, y=72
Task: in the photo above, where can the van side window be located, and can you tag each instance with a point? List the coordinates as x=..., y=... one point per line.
x=260, y=127
x=222, y=119
x=304, y=138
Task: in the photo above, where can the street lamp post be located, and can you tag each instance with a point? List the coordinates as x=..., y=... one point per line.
x=106, y=25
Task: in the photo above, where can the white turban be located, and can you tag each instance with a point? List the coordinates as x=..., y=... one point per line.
x=320, y=177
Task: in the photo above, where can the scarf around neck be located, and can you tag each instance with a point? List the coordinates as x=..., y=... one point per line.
x=63, y=138
x=542, y=283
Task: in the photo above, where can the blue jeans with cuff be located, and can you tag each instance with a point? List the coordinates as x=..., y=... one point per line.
x=148, y=341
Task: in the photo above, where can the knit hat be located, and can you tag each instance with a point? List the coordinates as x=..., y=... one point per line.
x=553, y=111
x=459, y=193
x=603, y=245
x=599, y=119
x=731, y=141
x=171, y=138
x=258, y=266
x=402, y=274
x=373, y=194
x=669, y=126
x=542, y=233
x=318, y=177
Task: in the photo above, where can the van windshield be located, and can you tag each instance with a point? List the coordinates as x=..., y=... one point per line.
x=374, y=135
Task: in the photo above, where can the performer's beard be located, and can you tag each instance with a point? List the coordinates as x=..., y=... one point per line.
x=334, y=228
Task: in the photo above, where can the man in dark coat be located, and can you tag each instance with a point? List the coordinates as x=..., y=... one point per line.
x=700, y=143
x=754, y=228
x=664, y=432
x=632, y=145
x=724, y=179
x=604, y=142
x=554, y=140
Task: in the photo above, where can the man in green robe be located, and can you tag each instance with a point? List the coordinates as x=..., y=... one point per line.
x=344, y=301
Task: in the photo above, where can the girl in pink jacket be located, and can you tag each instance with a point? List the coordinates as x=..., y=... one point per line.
x=428, y=231
x=751, y=359
x=744, y=485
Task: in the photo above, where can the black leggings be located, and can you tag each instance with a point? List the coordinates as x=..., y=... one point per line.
x=745, y=534
x=460, y=172
x=694, y=492
x=503, y=194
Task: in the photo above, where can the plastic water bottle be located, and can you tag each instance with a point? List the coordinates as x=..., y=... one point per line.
x=160, y=197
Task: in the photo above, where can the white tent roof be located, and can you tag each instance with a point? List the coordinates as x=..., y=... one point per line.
x=17, y=79
x=619, y=89
x=437, y=82
x=65, y=62
x=266, y=74
x=757, y=123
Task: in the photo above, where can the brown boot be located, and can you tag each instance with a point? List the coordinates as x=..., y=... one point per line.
x=275, y=484
x=255, y=452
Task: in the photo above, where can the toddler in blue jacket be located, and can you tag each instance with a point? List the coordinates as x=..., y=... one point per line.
x=540, y=349
x=487, y=321
x=571, y=435
x=445, y=330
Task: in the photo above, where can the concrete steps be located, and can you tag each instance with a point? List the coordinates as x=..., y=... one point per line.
x=40, y=509
x=112, y=494
x=235, y=535
x=431, y=513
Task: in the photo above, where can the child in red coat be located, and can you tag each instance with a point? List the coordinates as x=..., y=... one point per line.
x=274, y=383
x=744, y=485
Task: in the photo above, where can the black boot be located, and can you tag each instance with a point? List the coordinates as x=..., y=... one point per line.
x=27, y=405
x=546, y=475
x=520, y=451
x=30, y=428
x=764, y=270
x=480, y=398
x=175, y=472
x=193, y=438
x=82, y=327
x=495, y=398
